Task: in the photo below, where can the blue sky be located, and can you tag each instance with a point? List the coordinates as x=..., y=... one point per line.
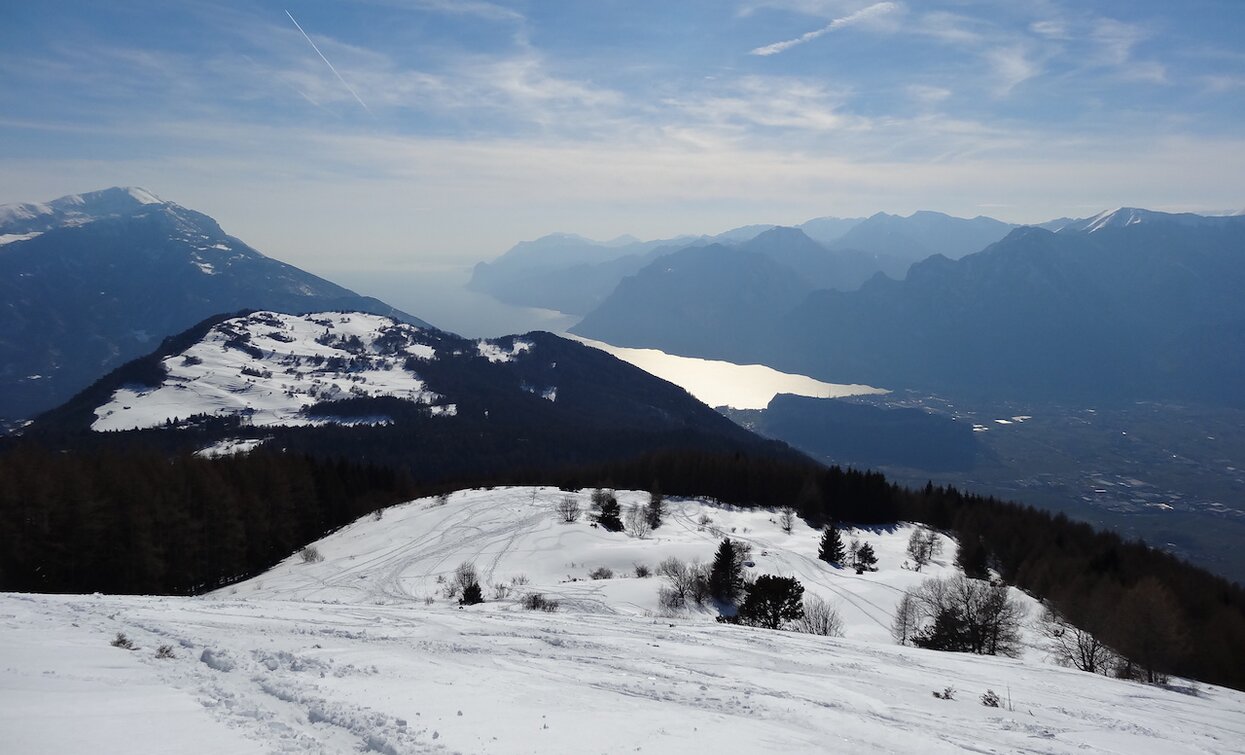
x=400, y=133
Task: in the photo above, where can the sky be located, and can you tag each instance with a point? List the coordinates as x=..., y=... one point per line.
x=425, y=134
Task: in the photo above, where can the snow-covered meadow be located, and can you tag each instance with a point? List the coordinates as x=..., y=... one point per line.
x=362, y=651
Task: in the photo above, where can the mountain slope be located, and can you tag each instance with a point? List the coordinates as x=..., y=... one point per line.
x=106, y=275
x=1122, y=310
x=373, y=389
x=717, y=293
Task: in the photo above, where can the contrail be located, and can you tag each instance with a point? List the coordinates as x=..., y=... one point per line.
x=330, y=65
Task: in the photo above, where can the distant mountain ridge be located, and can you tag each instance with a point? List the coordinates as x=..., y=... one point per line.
x=571, y=274
x=1130, y=303
x=92, y=280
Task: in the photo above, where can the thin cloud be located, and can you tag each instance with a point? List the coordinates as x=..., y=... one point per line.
x=330, y=65
x=873, y=11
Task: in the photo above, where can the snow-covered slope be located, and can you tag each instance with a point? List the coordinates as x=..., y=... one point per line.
x=270, y=367
x=347, y=655
x=1126, y=216
x=512, y=534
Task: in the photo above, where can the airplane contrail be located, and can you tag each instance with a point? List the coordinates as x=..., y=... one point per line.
x=330, y=65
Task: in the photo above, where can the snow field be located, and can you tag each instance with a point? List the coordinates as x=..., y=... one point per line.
x=294, y=372
x=348, y=655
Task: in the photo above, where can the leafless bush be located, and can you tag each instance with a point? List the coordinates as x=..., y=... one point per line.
x=990, y=699
x=165, y=652
x=568, y=509
x=519, y=579
x=786, y=519
x=688, y=582
x=637, y=522
x=670, y=599
x=123, y=642
x=501, y=591
x=310, y=555
x=948, y=693
x=641, y=570
x=820, y=618
x=923, y=546
x=535, y=601
x=601, y=572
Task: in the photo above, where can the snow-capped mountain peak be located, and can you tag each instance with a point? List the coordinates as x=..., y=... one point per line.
x=75, y=209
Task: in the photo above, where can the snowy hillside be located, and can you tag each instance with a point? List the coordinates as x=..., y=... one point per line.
x=513, y=534
x=270, y=367
x=348, y=654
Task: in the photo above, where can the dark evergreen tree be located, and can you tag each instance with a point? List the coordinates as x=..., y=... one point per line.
x=772, y=601
x=609, y=514
x=949, y=632
x=726, y=575
x=471, y=595
x=656, y=509
x=973, y=559
x=831, y=548
x=866, y=560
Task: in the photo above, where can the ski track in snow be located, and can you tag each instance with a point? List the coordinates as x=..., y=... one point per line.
x=344, y=655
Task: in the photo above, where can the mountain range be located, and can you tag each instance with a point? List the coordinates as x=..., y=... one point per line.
x=1129, y=304
x=572, y=274
x=90, y=281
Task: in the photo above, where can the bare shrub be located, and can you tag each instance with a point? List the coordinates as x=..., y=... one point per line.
x=123, y=642
x=1070, y=645
x=519, y=580
x=637, y=523
x=310, y=555
x=670, y=599
x=501, y=591
x=786, y=519
x=165, y=652
x=948, y=693
x=568, y=509
x=990, y=699
x=535, y=601
x=689, y=582
x=642, y=571
x=820, y=618
x=601, y=572
x=923, y=546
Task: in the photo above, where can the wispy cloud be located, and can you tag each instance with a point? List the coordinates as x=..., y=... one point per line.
x=330, y=65
x=865, y=14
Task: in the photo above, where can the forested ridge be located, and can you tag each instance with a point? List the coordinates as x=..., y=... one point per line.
x=136, y=521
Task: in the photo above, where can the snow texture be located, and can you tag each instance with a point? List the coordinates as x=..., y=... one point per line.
x=345, y=655
x=269, y=368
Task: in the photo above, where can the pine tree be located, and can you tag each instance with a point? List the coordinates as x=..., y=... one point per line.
x=725, y=577
x=656, y=509
x=831, y=549
x=773, y=601
x=471, y=595
x=609, y=512
x=865, y=559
